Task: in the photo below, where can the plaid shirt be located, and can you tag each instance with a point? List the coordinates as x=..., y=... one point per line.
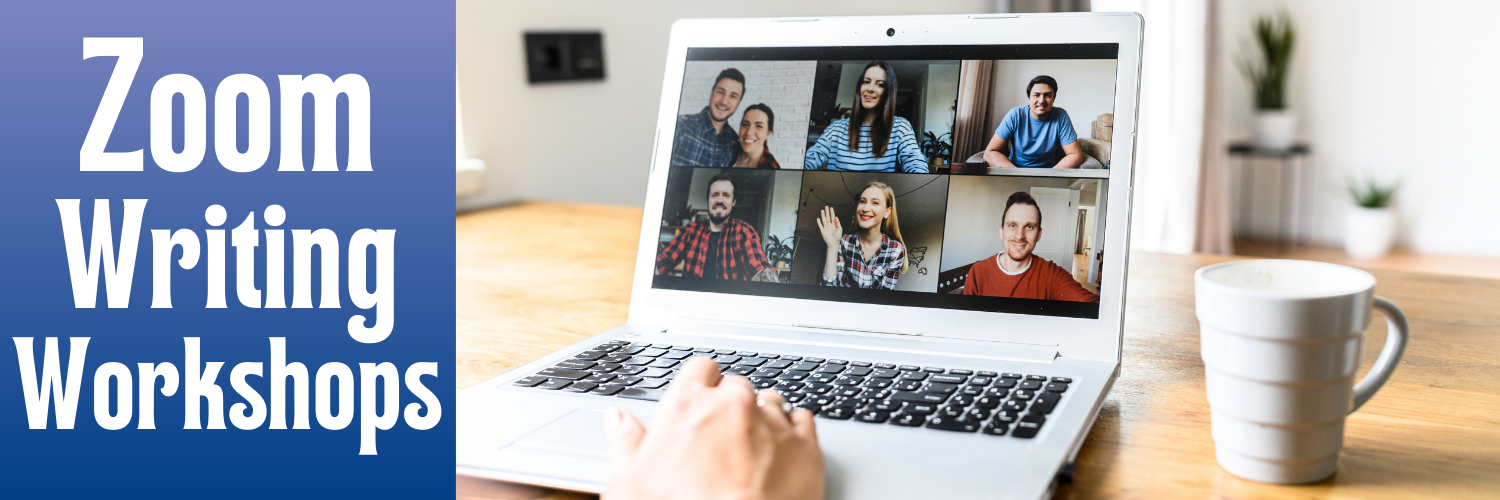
x=697, y=145
x=853, y=271
x=740, y=256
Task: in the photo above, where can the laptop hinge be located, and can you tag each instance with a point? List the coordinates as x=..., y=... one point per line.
x=863, y=339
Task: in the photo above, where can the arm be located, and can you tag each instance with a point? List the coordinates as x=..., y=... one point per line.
x=971, y=285
x=819, y=154
x=1065, y=288
x=893, y=270
x=1073, y=156
x=832, y=231
x=750, y=244
x=672, y=253
x=908, y=153
x=994, y=153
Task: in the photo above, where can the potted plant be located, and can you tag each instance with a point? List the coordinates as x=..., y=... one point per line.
x=779, y=252
x=1275, y=125
x=1370, y=225
x=936, y=149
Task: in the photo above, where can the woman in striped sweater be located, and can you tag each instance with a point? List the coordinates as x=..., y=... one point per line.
x=883, y=142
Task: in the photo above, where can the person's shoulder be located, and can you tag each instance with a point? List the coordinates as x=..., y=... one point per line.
x=1018, y=111
x=741, y=225
x=839, y=124
x=1051, y=269
x=1059, y=114
x=902, y=123
x=894, y=243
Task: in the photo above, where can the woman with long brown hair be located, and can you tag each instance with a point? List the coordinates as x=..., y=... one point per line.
x=874, y=139
x=873, y=255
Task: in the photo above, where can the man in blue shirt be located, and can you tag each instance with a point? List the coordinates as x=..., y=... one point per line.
x=705, y=139
x=1038, y=135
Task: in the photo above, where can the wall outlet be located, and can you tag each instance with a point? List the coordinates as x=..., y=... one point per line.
x=554, y=57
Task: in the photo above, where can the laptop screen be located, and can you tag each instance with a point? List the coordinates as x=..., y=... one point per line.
x=959, y=177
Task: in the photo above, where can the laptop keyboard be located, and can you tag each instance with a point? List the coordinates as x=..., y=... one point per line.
x=948, y=399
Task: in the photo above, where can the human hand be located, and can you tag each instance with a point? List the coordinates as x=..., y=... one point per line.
x=830, y=227
x=710, y=440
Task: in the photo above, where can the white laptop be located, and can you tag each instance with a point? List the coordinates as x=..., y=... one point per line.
x=942, y=290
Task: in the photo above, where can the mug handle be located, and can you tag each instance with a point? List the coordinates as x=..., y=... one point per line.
x=1397, y=334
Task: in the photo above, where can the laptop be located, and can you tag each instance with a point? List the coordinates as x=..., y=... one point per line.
x=946, y=289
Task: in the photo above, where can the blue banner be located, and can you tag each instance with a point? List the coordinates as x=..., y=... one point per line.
x=227, y=263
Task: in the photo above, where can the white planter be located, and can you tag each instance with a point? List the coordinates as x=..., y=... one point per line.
x=1369, y=232
x=1275, y=129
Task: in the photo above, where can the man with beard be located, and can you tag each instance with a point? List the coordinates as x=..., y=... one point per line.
x=721, y=248
x=1015, y=272
x=705, y=139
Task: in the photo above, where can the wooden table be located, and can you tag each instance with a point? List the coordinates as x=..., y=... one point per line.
x=536, y=277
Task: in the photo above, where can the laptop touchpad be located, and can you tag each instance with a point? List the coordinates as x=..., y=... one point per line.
x=573, y=446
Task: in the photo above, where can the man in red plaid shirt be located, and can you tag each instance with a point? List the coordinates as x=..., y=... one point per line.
x=722, y=248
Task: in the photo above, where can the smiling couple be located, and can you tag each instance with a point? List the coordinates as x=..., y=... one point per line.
x=705, y=139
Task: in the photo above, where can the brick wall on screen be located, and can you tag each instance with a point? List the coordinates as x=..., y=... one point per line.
x=785, y=86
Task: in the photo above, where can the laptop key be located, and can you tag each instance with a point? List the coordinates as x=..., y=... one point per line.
x=724, y=351
x=972, y=390
x=590, y=355
x=748, y=354
x=1010, y=375
x=642, y=394
x=780, y=364
x=996, y=429
x=873, y=416
x=553, y=384
x=651, y=372
x=741, y=370
x=727, y=358
x=600, y=378
x=1057, y=387
x=989, y=374
x=909, y=419
x=529, y=381
x=1045, y=403
x=910, y=368
x=791, y=358
x=886, y=406
x=793, y=375
x=816, y=388
x=810, y=406
x=605, y=367
x=949, y=379
x=943, y=388
x=765, y=383
x=1007, y=416
x=677, y=355
x=629, y=370
x=859, y=371
x=617, y=357
x=1014, y=404
x=703, y=349
x=627, y=381
x=987, y=402
x=795, y=397
x=919, y=397
x=848, y=392
x=751, y=361
x=607, y=390
x=1038, y=378
x=563, y=373
x=580, y=387
x=908, y=385
x=963, y=400
x=956, y=371
x=976, y=414
x=886, y=373
x=933, y=369
x=862, y=364
x=1005, y=383
x=816, y=360
x=1023, y=394
x=878, y=383
x=639, y=361
x=951, y=424
x=837, y=362
x=885, y=366
x=1031, y=385
x=1029, y=425
x=766, y=373
x=805, y=366
x=922, y=408
x=1062, y=380
x=789, y=385
x=980, y=381
x=913, y=376
x=837, y=413
x=576, y=364
x=831, y=369
x=822, y=378
x=651, y=383
x=663, y=363
x=951, y=411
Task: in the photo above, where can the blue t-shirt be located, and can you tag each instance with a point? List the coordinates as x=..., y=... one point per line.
x=1036, y=143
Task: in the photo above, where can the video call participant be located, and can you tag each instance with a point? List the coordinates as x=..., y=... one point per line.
x=873, y=256
x=756, y=127
x=1038, y=134
x=883, y=142
x=722, y=248
x=705, y=139
x=1015, y=272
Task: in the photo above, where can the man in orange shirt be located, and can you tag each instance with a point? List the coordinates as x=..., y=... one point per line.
x=1015, y=272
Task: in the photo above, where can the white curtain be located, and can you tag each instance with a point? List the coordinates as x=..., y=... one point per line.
x=1180, y=183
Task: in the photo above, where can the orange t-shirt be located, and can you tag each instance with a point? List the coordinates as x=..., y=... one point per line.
x=1043, y=280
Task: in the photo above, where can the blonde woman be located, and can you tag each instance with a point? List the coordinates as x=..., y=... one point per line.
x=873, y=255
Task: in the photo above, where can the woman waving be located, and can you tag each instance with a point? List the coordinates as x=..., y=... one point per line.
x=873, y=256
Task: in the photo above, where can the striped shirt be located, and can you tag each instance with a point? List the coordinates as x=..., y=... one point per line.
x=831, y=152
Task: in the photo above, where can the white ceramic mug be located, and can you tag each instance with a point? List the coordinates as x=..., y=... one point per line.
x=1281, y=342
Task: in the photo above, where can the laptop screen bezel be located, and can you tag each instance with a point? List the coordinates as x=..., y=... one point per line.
x=1072, y=337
